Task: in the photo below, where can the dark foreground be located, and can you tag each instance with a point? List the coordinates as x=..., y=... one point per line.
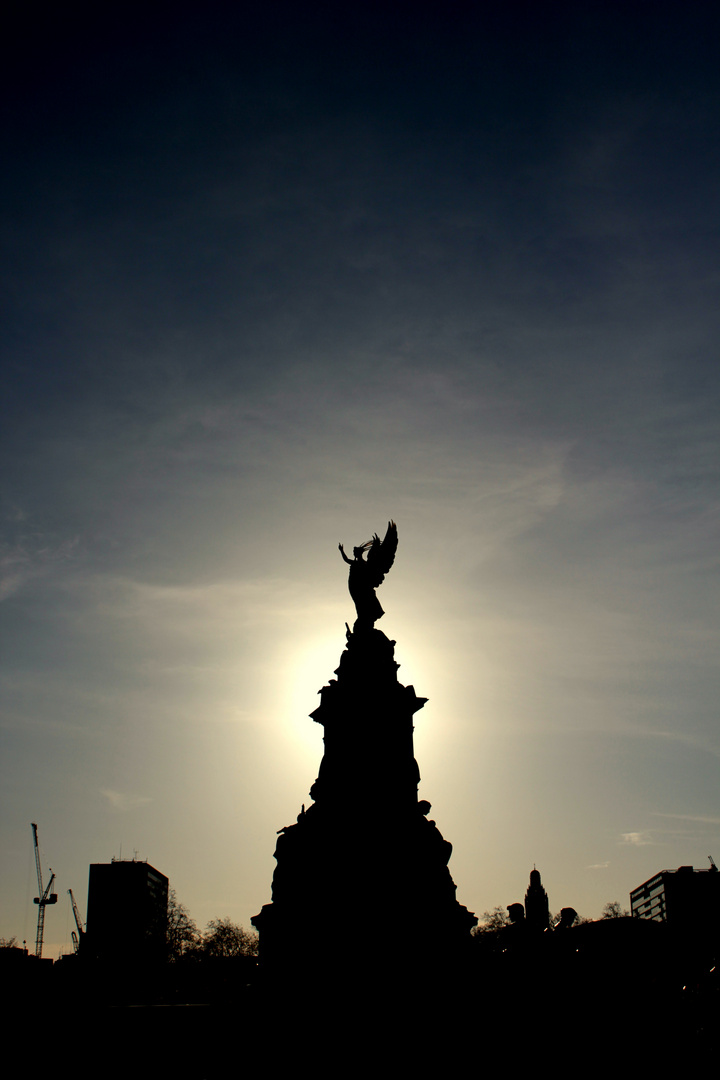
x=411, y=1032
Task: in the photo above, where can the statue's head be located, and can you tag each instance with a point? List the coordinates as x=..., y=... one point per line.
x=568, y=916
x=359, y=551
x=516, y=913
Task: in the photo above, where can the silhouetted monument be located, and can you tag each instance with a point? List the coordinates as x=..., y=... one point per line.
x=366, y=575
x=362, y=890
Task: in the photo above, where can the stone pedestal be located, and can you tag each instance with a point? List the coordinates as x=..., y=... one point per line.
x=362, y=889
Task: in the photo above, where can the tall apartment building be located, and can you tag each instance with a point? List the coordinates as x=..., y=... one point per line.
x=681, y=897
x=126, y=912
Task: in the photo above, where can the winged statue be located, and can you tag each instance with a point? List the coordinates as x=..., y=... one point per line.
x=367, y=574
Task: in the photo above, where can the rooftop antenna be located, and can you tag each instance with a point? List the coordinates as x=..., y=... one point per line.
x=712, y=863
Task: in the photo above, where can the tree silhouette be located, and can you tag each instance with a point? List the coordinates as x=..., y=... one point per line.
x=183, y=936
x=488, y=934
x=491, y=921
x=223, y=937
x=614, y=910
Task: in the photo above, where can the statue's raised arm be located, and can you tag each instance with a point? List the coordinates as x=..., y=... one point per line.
x=366, y=575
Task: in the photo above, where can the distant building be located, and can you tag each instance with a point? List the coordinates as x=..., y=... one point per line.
x=537, y=907
x=682, y=897
x=126, y=912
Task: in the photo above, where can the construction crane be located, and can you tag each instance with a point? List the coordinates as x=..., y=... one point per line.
x=47, y=896
x=76, y=938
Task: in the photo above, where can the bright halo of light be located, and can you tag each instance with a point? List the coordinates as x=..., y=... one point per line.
x=306, y=669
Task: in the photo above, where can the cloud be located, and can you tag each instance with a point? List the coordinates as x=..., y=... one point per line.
x=30, y=558
x=702, y=819
x=123, y=800
x=15, y=570
x=636, y=839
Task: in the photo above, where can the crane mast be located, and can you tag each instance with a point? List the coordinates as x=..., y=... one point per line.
x=46, y=896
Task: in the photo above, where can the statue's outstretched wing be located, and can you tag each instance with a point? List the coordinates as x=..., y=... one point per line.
x=381, y=555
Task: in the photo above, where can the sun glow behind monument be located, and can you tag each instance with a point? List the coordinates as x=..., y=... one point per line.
x=307, y=667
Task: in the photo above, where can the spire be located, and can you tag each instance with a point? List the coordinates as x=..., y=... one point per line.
x=537, y=907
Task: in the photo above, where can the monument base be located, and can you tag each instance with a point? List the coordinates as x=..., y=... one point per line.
x=362, y=890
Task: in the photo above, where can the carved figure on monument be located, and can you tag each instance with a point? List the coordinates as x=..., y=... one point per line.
x=367, y=575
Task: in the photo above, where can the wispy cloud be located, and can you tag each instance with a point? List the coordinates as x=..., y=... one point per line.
x=702, y=819
x=31, y=558
x=124, y=800
x=636, y=839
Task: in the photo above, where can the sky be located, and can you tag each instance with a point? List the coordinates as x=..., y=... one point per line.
x=272, y=278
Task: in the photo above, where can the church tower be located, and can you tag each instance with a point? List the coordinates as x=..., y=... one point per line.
x=537, y=908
